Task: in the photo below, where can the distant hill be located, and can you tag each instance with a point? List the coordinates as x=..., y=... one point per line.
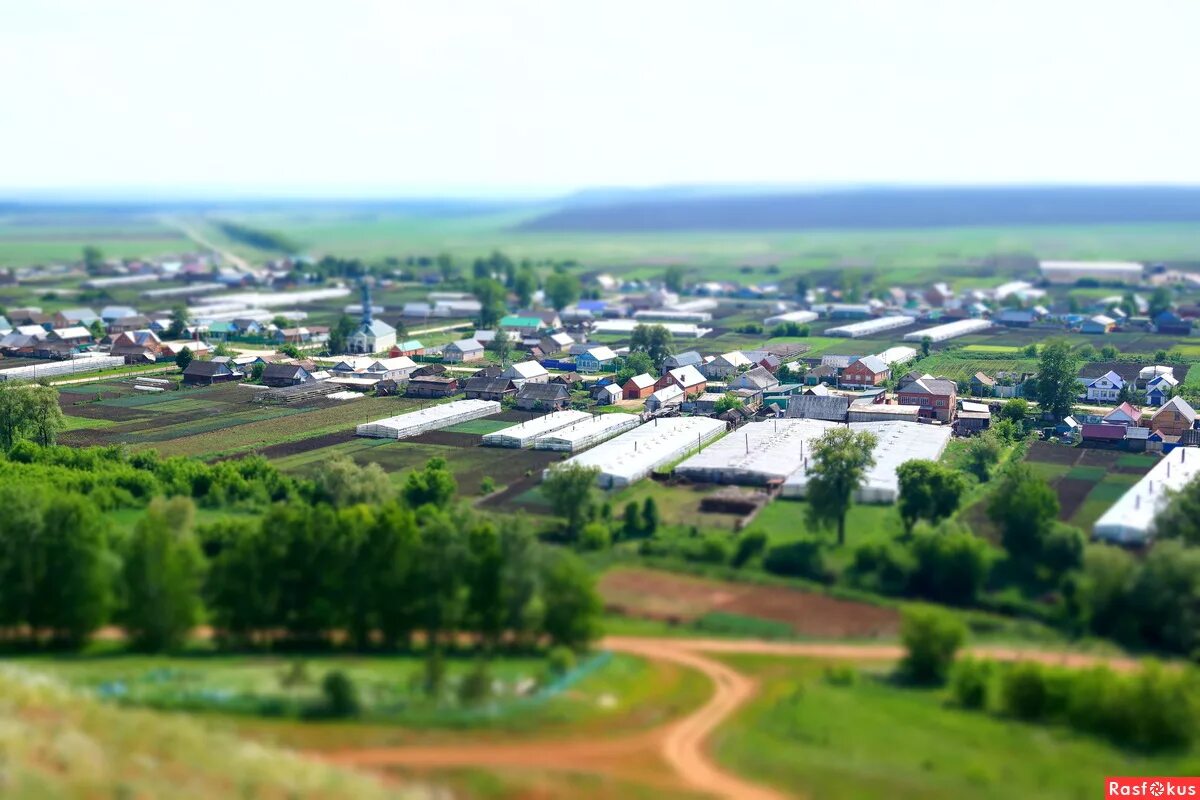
x=676, y=210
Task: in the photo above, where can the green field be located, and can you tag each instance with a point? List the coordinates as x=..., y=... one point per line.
x=809, y=735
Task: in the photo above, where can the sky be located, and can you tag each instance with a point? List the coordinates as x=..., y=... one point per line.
x=508, y=97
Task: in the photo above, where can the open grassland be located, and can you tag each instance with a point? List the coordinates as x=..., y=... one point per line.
x=59, y=742
x=523, y=783
x=810, y=735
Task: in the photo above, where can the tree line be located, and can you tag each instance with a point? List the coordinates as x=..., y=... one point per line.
x=342, y=559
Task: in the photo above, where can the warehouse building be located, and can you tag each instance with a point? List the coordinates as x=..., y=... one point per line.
x=636, y=453
x=757, y=453
x=871, y=327
x=1128, y=272
x=1131, y=519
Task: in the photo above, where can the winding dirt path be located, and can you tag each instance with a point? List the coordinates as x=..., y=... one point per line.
x=681, y=744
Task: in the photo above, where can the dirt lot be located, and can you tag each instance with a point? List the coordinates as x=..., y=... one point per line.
x=304, y=445
x=659, y=595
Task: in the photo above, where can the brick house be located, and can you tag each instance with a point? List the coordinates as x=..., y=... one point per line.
x=936, y=397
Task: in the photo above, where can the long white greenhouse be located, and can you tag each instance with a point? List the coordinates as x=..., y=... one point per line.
x=1131, y=519
x=951, y=330
x=684, y=330
x=524, y=434
x=870, y=327
x=586, y=433
x=757, y=453
x=431, y=418
x=798, y=317
x=87, y=363
x=898, y=442
x=635, y=454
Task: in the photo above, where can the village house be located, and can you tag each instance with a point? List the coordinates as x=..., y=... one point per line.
x=543, y=397
x=526, y=372
x=523, y=326
x=1159, y=389
x=1106, y=388
x=552, y=344
x=1011, y=384
x=972, y=418
x=1125, y=414
x=609, y=394
x=69, y=317
x=462, y=351
x=866, y=371
x=1099, y=324
x=689, y=358
x=567, y=379
x=410, y=348
x=75, y=336
x=982, y=385
x=595, y=359
x=1171, y=324
x=1175, y=417
x=936, y=397
x=136, y=346
x=726, y=365
x=136, y=322
x=670, y=395
x=758, y=379
x=280, y=375
x=825, y=374
x=206, y=373
x=688, y=379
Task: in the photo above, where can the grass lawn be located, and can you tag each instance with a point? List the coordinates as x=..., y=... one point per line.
x=807, y=736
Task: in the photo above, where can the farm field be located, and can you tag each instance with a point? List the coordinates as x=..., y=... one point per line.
x=810, y=735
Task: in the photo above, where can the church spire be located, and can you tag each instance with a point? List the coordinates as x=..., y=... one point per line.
x=366, y=303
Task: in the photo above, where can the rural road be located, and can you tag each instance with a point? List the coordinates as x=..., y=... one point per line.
x=200, y=239
x=681, y=744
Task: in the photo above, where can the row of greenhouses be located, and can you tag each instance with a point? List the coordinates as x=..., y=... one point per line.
x=431, y=418
x=525, y=433
x=586, y=433
x=870, y=327
x=636, y=453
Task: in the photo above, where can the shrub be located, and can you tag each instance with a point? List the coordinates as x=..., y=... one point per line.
x=970, y=683
x=1032, y=692
x=841, y=675
x=881, y=567
x=560, y=660
x=341, y=695
x=931, y=639
x=749, y=545
x=595, y=536
x=708, y=550
x=801, y=559
x=476, y=686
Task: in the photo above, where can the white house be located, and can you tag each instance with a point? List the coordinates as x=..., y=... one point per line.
x=1105, y=389
x=526, y=372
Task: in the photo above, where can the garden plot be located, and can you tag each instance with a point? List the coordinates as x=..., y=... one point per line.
x=1087, y=481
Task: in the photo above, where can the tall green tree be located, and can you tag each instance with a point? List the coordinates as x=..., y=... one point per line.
x=29, y=411
x=93, y=259
x=982, y=454
x=340, y=333
x=1160, y=300
x=491, y=296
x=928, y=491
x=434, y=485
x=1024, y=507
x=653, y=340
x=1057, y=384
x=179, y=322
x=184, y=357
x=673, y=278
x=524, y=285
x=162, y=576
x=573, y=606
x=839, y=462
x=562, y=288
x=571, y=491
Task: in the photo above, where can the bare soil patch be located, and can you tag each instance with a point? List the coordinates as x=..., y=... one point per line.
x=305, y=445
x=1071, y=494
x=1046, y=453
x=679, y=598
x=448, y=439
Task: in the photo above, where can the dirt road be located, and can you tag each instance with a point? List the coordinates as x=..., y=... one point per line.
x=680, y=744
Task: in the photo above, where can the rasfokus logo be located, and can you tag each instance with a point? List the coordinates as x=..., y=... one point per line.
x=1145, y=786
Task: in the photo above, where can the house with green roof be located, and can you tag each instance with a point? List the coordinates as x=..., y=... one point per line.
x=526, y=326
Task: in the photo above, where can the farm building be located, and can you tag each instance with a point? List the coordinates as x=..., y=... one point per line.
x=432, y=386
x=482, y=387
x=588, y=432
x=973, y=417
x=951, y=330
x=870, y=327
x=543, y=397
x=525, y=433
x=897, y=442
x=1175, y=417
x=462, y=350
x=638, y=387
x=1062, y=272
x=756, y=454
x=636, y=453
x=795, y=317
x=431, y=418
x=655, y=315
x=204, y=373
x=821, y=407
x=1130, y=520
x=882, y=412
x=86, y=362
x=1099, y=324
